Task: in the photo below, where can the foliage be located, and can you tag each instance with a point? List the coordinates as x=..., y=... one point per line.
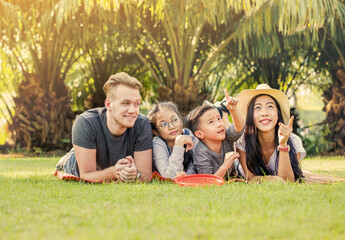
x=107, y=53
x=183, y=51
x=38, y=41
x=35, y=205
x=315, y=139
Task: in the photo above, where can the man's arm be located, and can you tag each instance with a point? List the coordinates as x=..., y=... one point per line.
x=86, y=159
x=143, y=162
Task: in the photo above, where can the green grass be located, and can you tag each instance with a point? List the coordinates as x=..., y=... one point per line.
x=36, y=205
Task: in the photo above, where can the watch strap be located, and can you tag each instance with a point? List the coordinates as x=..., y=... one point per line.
x=284, y=149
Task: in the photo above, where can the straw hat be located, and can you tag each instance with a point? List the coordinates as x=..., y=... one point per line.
x=246, y=96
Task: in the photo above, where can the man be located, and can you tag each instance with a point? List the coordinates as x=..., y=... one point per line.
x=113, y=142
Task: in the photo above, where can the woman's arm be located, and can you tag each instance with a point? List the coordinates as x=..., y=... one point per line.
x=284, y=168
x=242, y=158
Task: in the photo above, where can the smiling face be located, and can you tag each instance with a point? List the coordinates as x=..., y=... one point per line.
x=265, y=113
x=122, y=108
x=168, y=124
x=211, y=126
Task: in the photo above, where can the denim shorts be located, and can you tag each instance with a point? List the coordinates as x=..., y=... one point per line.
x=239, y=169
x=68, y=164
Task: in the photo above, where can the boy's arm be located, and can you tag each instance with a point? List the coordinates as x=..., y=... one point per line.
x=228, y=161
x=237, y=120
x=231, y=105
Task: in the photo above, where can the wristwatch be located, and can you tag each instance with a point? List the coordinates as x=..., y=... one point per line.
x=284, y=149
x=138, y=175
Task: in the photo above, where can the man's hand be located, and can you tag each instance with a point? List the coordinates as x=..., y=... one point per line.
x=129, y=172
x=120, y=165
x=231, y=102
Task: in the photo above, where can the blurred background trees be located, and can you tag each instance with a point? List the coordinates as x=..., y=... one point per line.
x=57, y=54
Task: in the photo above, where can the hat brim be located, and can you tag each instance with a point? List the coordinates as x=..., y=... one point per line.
x=246, y=96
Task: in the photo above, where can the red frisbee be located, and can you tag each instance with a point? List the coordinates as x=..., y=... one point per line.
x=196, y=180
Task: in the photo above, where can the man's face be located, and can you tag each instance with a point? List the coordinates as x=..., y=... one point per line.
x=123, y=106
x=211, y=126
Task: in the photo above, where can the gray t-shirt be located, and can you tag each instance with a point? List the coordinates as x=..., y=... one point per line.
x=90, y=131
x=208, y=162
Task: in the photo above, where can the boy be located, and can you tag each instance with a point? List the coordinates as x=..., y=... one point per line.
x=214, y=153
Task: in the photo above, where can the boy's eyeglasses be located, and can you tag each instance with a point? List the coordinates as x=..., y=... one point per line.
x=175, y=122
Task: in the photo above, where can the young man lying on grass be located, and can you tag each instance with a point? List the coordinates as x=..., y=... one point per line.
x=113, y=142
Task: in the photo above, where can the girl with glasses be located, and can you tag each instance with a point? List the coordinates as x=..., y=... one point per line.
x=173, y=145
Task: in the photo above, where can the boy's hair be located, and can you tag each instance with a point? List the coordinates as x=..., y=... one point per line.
x=192, y=119
x=120, y=78
x=158, y=107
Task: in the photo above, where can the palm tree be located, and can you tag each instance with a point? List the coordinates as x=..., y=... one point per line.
x=40, y=42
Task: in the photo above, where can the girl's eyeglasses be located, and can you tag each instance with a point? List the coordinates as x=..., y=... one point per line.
x=166, y=125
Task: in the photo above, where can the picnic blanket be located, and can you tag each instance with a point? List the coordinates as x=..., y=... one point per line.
x=154, y=177
x=310, y=178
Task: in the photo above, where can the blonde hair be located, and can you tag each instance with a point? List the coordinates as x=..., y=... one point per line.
x=120, y=78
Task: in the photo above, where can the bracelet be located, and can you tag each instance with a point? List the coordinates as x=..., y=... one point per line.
x=284, y=149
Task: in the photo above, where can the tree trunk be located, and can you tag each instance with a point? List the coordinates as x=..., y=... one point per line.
x=185, y=98
x=334, y=100
x=41, y=120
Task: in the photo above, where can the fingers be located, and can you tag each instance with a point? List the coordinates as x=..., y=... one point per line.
x=180, y=174
x=290, y=124
x=232, y=155
x=232, y=101
x=121, y=164
x=128, y=173
x=285, y=130
x=189, y=146
x=130, y=159
x=122, y=161
x=226, y=95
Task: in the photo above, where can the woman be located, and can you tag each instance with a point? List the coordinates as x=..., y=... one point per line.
x=268, y=147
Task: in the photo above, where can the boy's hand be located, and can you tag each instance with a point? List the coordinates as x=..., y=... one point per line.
x=182, y=140
x=230, y=158
x=231, y=102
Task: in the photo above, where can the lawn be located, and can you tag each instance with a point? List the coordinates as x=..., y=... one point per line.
x=36, y=205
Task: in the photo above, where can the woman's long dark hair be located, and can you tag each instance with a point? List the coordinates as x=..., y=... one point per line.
x=254, y=154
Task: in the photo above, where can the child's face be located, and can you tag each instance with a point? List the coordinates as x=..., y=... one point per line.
x=211, y=126
x=168, y=124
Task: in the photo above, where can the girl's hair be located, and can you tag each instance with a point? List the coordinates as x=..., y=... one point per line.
x=158, y=107
x=254, y=154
